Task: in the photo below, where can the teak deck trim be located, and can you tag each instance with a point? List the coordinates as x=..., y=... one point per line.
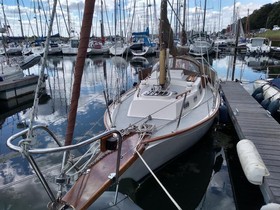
x=91, y=185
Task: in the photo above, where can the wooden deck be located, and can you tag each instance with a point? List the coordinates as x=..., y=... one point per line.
x=91, y=185
x=253, y=122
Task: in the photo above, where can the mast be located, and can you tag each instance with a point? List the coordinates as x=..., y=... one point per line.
x=204, y=15
x=120, y=11
x=41, y=26
x=248, y=24
x=68, y=17
x=184, y=34
x=35, y=13
x=115, y=16
x=79, y=67
x=163, y=46
x=5, y=18
x=102, y=24
x=155, y=21
x=7, y=31
x=20, y=21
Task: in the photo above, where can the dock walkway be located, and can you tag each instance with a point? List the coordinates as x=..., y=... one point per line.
x=253, y=122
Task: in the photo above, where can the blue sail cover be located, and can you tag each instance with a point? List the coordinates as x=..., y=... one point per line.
x=144, y=33
x=275, y=82
x=142, y=37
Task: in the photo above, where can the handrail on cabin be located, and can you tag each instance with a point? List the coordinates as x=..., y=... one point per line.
x=182, y=94
x=24, y=149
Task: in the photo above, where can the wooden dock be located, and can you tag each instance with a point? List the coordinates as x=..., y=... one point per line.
x=253, y=122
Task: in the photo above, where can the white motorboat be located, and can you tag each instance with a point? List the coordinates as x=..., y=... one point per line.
x=258, y=45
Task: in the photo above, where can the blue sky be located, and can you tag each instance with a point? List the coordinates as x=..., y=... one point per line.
x=219, y=14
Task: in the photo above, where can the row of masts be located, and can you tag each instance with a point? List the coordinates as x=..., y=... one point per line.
x=122, y=15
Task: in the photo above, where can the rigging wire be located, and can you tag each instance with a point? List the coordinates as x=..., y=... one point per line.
x=41, y=75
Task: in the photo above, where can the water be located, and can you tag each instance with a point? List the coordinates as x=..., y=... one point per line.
x=197, y=179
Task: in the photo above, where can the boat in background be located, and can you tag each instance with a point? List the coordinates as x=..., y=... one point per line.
x=29, y=60
x=71, y=48
x=119, y=48
x=13, y=82
x=97, y=48
x=201, y=44
x=11, y=49
x=38, y=48
x=267, y=93
x=23, y=85
x=258, y=45
x=142, y=44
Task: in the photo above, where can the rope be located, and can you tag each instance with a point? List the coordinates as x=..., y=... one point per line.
x=167, y=193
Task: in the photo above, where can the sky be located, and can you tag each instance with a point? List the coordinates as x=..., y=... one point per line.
x=219, y=14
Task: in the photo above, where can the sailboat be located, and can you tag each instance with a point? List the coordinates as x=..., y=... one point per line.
x=200, y=42
x=142, y=44
x=120, y=46
x=161, y=117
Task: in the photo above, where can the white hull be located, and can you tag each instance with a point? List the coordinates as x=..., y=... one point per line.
x=95, y=51
x=119, y=49
x=38, y=50
x=145, y=51
x=54, y=50
x=200, y=48
x=26, y=51
x=269, y=92
x=17, y=88
x=144, y=106
x=69, y=51
x=9, y=73
x=11, y=51
x=201, y=44
x=160, y=153
x=258, y=45
x=30, y=61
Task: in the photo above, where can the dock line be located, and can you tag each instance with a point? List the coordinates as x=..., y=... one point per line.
x=161, y=185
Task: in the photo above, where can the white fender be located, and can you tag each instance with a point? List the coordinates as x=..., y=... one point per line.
x=271, y=206
x=251, y=162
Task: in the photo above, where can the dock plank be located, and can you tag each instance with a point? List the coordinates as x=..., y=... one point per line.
x=253, y=122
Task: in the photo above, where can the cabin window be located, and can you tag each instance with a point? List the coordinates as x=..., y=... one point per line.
x=186, y=104
x=266, y=42
x=200, y=89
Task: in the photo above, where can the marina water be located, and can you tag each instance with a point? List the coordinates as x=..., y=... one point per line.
x=208, y=176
